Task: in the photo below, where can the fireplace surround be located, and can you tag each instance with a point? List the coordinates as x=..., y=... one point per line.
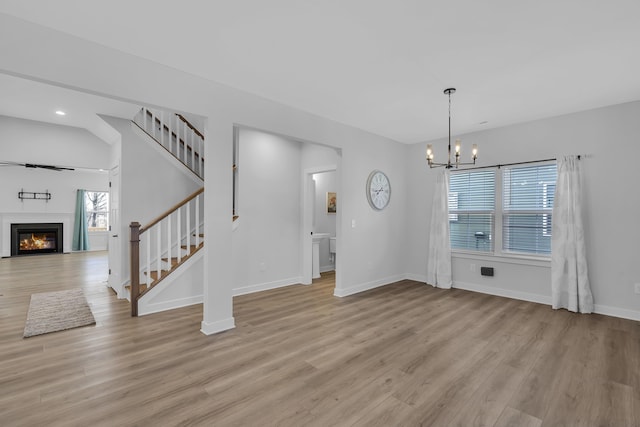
x=36, y=238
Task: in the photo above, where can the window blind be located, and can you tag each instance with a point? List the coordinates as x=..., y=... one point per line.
x=472, y=198
x=527, y=203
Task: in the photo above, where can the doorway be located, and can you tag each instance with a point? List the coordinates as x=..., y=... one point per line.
x=321, y=219
x=115, y=251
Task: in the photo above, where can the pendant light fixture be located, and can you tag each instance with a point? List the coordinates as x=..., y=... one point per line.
x=456, y=162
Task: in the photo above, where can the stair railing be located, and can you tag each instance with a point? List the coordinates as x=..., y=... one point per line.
x=167, y=241
x=176, y=135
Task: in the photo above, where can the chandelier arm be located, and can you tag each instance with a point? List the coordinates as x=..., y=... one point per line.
x=434, y=165
x=466, y=163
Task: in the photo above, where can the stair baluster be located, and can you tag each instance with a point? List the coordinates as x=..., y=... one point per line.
x=179, y=254
x=148, y=267
x=159, y=249
x=188, y=226
x=197, y=222
x=162, y=122
x=169, y=252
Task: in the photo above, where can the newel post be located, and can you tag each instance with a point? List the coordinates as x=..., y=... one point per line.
x=135, y=266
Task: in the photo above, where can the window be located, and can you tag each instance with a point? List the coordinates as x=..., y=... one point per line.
x=523, y=208
x=453, y=205
x=527, y=202
x=97, y=205
x=471, y=217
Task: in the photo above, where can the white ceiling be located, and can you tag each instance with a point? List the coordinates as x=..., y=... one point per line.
x=382, y=65
x=32, y=100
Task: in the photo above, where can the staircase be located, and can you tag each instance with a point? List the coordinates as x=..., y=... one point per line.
x=175, y=134
x=165, y=244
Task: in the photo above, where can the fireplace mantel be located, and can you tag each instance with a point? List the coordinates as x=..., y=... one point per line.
x=21, y=218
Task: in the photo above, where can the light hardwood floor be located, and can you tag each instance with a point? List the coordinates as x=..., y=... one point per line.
x=403, y=354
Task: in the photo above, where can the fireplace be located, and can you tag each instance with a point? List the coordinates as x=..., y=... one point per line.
x=38, y=238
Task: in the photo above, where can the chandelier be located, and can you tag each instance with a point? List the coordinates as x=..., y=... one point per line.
x=456, y=163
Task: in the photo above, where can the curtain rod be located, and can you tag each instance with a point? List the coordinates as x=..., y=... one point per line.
x=515, y=163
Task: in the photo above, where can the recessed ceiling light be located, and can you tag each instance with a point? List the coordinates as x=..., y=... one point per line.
x=61, y=113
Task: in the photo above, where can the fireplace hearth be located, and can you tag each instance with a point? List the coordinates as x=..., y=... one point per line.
x=36, y=238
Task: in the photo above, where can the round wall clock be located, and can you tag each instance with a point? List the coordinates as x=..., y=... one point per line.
x=378, y=190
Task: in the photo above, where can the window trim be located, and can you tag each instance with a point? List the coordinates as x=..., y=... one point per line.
x=535, y=261
x=106, y=212
x=498, y=252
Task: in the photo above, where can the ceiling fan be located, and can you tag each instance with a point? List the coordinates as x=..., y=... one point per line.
x=36, y=166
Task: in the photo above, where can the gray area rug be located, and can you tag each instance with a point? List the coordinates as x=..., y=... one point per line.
x=57, y=311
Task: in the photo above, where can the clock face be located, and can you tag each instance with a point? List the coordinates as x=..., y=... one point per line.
x=378, y=190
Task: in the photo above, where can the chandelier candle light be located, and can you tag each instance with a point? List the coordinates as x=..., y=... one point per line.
x=456, y=163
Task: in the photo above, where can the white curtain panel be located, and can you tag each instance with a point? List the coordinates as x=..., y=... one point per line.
x=569, y=279
x=439, y=258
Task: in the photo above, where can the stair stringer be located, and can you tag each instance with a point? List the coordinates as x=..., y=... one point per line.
x=183, y=287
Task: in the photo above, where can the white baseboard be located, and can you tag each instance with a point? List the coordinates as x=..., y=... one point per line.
x=169, y=305
x=266, y=286
x=524, y=296
x=366, y=286
x=415, y=277
x=325, y=268
x=210, y=328
x=616, y=312
x=544, y=299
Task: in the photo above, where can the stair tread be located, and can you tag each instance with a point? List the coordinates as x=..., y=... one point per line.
x=193, y=247
x=141, y=286
x=174, y=261
x=154, y=274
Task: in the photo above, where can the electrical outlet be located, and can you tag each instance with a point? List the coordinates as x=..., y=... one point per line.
x=472, y=267
x=637, y=288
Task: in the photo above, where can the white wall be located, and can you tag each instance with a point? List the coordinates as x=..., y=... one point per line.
x=316, y=156
x=265, y=245
x=607, y=136
x=27, y=141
